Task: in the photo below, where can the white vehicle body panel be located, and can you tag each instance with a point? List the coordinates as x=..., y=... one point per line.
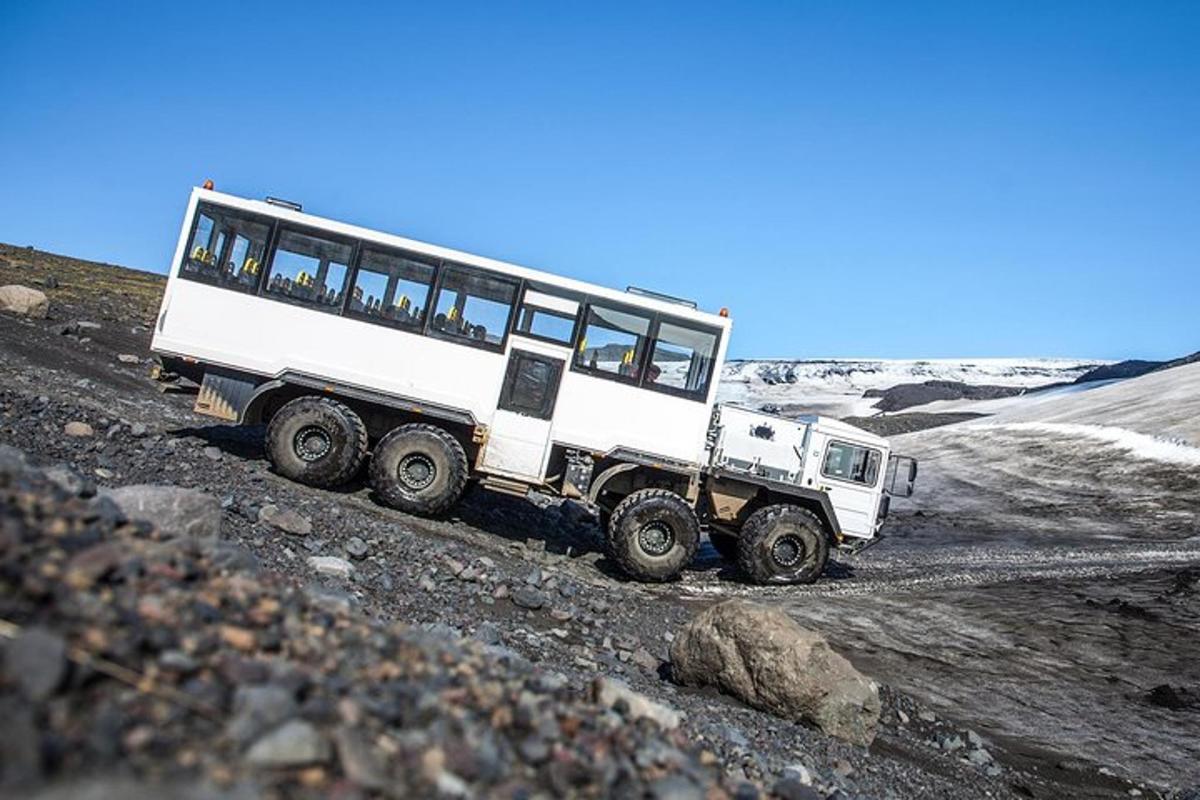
x=268, y=337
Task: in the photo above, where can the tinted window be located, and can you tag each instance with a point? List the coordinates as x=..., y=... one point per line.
x=309, y=269
x=612, y=342
x=473, y=306
x=392, y=288
x=547, y=316
x=851, y=463
x=531, y=384
x=226, y=248
x=682, y=359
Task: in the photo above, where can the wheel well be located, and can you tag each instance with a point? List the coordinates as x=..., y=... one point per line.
x=378, y=418
x=730, y=503
x=616, y=480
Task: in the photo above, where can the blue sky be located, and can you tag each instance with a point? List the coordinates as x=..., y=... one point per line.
x=849, y=178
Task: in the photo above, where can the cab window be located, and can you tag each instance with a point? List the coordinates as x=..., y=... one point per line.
x=226, y=249
x=473, y=306
x=547, y=316
x=849, y=462
x=682, y=359
x=309, y=269
x=391, y=288
x=613, y=342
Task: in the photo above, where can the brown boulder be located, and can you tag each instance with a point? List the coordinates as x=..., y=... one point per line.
x=761, y=656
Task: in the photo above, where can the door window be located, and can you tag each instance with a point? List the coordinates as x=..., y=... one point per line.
x=850, y=462
x=531, y=384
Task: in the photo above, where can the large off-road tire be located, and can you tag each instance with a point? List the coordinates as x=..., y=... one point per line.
x=725, y=544
x=653, y=535
x=783, y=544
x=317, y=441
x=419, y=468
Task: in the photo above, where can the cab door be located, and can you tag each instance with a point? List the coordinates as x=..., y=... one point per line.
x=849, y=474
x=519, y=437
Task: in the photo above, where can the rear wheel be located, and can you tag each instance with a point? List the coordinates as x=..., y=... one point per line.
x=419, y=468
x=783, y=544
x=317, y=441
x=653, y=535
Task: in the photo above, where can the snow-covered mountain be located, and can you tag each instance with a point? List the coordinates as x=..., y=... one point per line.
x=836, y=386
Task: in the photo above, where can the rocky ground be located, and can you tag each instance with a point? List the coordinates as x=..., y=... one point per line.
x=511, y=597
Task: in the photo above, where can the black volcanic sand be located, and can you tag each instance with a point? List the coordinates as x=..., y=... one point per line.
x=459, y=575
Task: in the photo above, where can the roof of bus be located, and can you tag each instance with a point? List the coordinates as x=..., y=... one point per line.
x=628, y=298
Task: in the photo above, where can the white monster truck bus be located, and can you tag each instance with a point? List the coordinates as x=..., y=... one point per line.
x=434, y=367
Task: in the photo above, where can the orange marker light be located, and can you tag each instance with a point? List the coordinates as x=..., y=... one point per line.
x=208, y=184
x=724, y=312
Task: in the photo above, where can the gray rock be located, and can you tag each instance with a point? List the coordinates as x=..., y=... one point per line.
x=285, y=520
x=128, y=358
x=608, y=691
x=357, y=548
x=212, y=453
x=528, y=597
x=974, y=739
x=11, y=459
x=676, y=787
x=792, y=789
x=360, y=761
x=70, y=481
x=950, y=743
x=257, y=709
x=332, y=566
x=979, y=757
x=763, y=657
x=23, y=301
x=293, y=744
x=488, y=633
x=177, y=511
x=333, y=601
x=37, y=661
x=798, y=772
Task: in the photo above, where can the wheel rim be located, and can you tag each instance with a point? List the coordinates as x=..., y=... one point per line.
x=416, y=471
x=788, y=551
x=312, y=443
x=656, y=538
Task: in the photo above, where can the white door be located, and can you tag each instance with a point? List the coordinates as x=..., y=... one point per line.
x=849, y=474
x=518, y=440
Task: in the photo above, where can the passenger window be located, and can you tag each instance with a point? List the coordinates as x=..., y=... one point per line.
x=546, y=316
x=391, y=288
x=310, y=270
x=226, y=249
x=682, y=360
x=473, y=306
x=612, y=342
x=851, y=463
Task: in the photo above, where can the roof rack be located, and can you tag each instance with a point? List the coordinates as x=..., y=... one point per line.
x=660, y=296
x=275, y=201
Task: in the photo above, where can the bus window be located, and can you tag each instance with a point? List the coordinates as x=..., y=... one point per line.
x=547, y=316
x=309, y=270
x=226, y=249
x=612, y=342
x=391, y=288
x=473, y=306
x=682, y=359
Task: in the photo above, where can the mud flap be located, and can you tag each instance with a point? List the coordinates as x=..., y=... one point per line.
x=224, y=394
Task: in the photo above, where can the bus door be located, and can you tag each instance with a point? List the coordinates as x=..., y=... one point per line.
x=519, y=436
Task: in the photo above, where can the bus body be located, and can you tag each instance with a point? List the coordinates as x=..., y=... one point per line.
x=447, y=365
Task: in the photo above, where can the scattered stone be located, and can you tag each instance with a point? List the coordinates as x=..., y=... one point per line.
x=359, y=760
x=357, y=548
x=176, y=511
x=128, y=358
x=798, y=772
x=258, y=709
x=925, y=715
x=23, y=301
x=608, y=692
x=791, y=789
x=974, y=739
x=79, y=430
x=70, y=481
x=332, y=566
x=212, y=453
x=950, y=743
x=37, y=660
x=979, y=757
x=528, y=597
x=285, y=520
x=294, y=743
x=763, y=657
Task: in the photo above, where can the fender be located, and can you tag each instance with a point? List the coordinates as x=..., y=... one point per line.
x=787, y=490
x=253, y=406
x=607, y=475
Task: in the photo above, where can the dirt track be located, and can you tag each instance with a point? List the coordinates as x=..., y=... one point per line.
x=1048, y=649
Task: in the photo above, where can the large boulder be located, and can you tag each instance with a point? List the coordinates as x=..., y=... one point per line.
x=761, y=656
x=24, y=301
x=175, y=510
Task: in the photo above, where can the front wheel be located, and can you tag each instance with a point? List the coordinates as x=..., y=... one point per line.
x=317, y=441
x=419, y=468
x=783, y=544
x=653, y=535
